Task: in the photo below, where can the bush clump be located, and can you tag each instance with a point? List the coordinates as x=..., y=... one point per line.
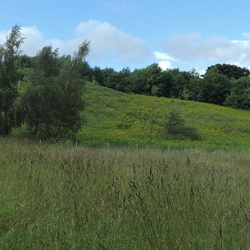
x=176, y=127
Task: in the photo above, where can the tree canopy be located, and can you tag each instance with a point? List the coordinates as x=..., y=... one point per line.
x=8, y=81
x=54, y=100
x=51, y=103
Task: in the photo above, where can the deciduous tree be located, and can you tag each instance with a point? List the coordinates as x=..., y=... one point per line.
x=240, y=94
x=54, y=100
x=9, y=81
x=216, y=87
x=231, y=71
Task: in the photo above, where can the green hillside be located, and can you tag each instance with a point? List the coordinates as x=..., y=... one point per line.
x=116, y=118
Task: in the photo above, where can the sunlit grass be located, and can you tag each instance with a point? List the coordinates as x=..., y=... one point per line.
x=117, y=118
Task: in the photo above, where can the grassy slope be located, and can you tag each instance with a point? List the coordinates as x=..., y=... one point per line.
x=117, y=118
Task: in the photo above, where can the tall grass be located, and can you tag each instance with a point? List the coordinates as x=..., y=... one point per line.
x=79, y=198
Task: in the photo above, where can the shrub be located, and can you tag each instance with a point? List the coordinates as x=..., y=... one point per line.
x=177, y=128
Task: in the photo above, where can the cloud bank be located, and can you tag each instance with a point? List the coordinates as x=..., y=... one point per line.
x=220, y=49
x=110, y=43
x=111, y=47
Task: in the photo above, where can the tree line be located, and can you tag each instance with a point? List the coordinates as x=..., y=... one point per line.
x=49, y=101
x=222, y=84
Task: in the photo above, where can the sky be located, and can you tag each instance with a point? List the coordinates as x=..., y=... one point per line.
x=188, y=35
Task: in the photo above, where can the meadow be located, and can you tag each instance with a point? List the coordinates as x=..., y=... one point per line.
x=118, y=119
x=62, y=197
x=127, y=186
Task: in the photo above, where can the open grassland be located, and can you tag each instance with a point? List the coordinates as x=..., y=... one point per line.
x=54, y=197
x=116, y=118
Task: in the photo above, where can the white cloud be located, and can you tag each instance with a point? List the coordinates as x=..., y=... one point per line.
x=107, y=42
x=164, y=65
x=34, y=40
x=163, y=56
x=164, y=60
x=191, y=47
x=246, y=34
x=110, y=46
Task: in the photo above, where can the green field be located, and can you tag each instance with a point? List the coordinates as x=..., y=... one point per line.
x=55, y=197
x=118, y=119
x=126, y=186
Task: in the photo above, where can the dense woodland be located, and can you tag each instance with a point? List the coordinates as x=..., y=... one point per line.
x=222, y=84
x=45, y=92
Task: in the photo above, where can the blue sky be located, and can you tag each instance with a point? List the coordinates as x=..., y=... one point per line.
x=175, y=34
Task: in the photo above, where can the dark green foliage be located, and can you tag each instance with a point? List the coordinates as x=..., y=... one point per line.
x=107, y=72
x=24, y=61
x=47, y=63
x=176, y=127
x=231, y=71
x=216, y=87
x=125, y=71
x=138, y=81
x=145, y=81
x=97, y=75
x=86, y=71
x=194, y=90
x=171, y=83
x=118, y=81
x=240, y=94
x=8, y=81
x=24, y=65
x=181, y=80
x=53, y=102
x=167, y=85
